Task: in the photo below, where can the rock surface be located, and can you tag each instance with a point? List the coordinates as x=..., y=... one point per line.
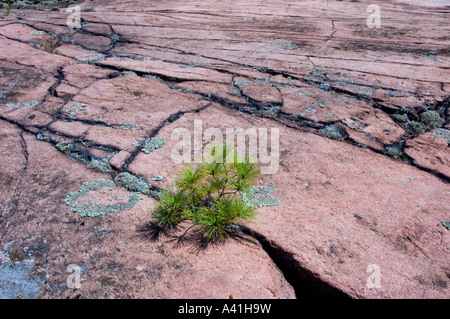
x=363, y=172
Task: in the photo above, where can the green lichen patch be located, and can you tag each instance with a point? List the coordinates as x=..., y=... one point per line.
x=157, y=178
x=153, y=77
x=332, y=132
x=428, y=119
x=415, y=128
x=403, y=118
x=13, y=105
x=261, y=81
x=126, y=126
x=357, y=124
x=272, y=110
x=40, y=5
x=300, y=93
x=152, y=144
x=102, y=165
x=283, y=45
x=196, y=65
x=432, y=58
x=183, y=90
x=86, y=187
x=42, y=137
x=96, y=58
x=129, y=73
x=28, y=105
x=446, y=224
x=261, y=196
x=431, y=119
x=443, y=133
x=64, y=146
x=394, y=151
x=82, y=203
x=317, y=71
x=134, y=183
x=79, y=157
x=76, y=107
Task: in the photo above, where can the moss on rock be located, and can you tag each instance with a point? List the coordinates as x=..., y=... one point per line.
x=332, y=132
x=415, y=127
x=102, y=165
x=394, y=151
x=432, y=119
x=64, y=146
x=401, y=117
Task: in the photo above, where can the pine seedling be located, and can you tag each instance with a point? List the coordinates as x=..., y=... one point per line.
x=210, y=194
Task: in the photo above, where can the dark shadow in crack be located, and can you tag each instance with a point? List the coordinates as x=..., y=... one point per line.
x=306, y=283
x=188, y=236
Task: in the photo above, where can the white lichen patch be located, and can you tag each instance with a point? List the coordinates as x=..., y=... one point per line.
x=129, y=73
x=332, y=132
x=95, y=58
x=100, y=198
x=102, y=164
x=127, y=126
x=440, y=132
x=42, y=137
x=28, y=105
x=64, y=146
x=134, y=183
x=282, y=44
x=272, y=110
x=261, y=196
x=152, y=144
x=196, y=65
x=76, y=107
x=153, y=77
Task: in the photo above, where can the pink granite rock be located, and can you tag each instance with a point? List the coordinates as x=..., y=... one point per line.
x=362, y=177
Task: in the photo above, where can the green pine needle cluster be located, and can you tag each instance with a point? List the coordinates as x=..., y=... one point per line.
x=210, y=195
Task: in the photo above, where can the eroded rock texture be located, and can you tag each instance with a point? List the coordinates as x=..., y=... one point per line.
x=363, y=116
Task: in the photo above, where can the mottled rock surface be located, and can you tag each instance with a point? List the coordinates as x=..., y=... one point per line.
x=363, y=172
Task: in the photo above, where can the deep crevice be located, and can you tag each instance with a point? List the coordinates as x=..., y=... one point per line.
x=306, y=284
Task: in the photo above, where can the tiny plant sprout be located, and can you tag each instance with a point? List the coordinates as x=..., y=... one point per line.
x=210, y=195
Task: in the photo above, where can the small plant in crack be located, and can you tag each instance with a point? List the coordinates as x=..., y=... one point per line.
x=432, y=119
x=427, y=120
x=48, y=44
x=8, y=8
x=334, y=132
x=272, y=110
x=394, y=151
x=210, y=195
